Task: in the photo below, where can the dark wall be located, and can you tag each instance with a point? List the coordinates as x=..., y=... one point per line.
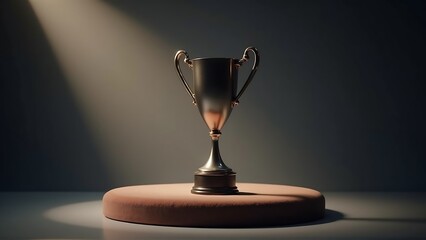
x=338, y=102
x=45, y=144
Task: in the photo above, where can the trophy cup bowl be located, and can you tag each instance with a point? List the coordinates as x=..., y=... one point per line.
x=215, y=84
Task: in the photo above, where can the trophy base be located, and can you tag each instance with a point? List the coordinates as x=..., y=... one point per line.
x=214, y=183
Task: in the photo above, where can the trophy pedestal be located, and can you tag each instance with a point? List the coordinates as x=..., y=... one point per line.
x=214, y=183
x=256, y=205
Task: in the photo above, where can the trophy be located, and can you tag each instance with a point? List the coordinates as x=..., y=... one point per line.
x=215, y=83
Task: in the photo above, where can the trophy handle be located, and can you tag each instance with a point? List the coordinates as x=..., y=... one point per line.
x=244, y=59
x=179, y=71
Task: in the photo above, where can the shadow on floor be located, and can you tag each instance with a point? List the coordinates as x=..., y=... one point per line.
x=329, y=216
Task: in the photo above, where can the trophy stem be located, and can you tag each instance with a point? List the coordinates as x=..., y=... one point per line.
x=215, y=177
x=215, y=162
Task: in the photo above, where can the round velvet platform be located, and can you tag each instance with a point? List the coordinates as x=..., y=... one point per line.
x=256, y=205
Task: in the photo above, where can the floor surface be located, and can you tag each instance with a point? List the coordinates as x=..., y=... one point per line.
x=78, y=215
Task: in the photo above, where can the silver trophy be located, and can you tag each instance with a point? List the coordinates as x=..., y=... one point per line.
x=215, y=83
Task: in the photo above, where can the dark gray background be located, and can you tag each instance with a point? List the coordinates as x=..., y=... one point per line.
x=338, y=103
